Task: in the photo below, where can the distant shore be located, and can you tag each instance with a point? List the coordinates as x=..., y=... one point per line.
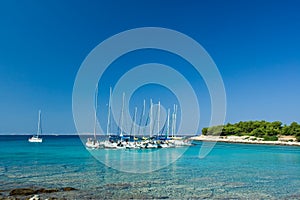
x=243, y=139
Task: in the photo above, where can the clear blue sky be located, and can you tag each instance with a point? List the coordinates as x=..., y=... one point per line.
x=255, y=44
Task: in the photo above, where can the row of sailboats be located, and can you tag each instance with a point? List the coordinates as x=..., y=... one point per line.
x=122, y=141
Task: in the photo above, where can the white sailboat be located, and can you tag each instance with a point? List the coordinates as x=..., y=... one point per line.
x=93, y=142
x=108, y=144
x=174, y=121
x=151, y=118
x=177, y=141
x=165, y=144
x=122, y=117
x=134, y=123
x=36, y=138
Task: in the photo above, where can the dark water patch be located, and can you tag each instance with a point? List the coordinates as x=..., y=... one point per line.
x=117, y=186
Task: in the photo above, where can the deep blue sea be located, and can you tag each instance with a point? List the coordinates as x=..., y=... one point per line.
x=230, y=171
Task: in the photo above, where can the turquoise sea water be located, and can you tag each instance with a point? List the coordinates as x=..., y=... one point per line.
x=230, y=171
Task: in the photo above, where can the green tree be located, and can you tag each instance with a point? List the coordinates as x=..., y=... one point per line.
x=231, y=130
x=204, y=131
x=259, y=132
x=286, y=130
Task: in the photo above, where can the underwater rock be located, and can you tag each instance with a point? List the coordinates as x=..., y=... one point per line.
x=30, y=191
x=22, y=191
x=68, y=189
x=43, y=190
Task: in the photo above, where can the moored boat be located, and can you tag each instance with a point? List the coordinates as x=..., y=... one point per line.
x=36, y=138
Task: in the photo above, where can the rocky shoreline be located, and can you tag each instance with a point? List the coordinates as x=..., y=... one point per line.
x=243, y=139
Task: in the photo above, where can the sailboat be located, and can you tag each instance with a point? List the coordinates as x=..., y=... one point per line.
x=93, y=142
x=110, y=143
x=175, y=141
x=36, y=138
x=174, y=121
x=122, y=144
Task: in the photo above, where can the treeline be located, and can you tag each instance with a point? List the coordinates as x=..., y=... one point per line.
x=261, y=129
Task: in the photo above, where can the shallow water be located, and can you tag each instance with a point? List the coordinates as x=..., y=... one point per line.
x=234, y=171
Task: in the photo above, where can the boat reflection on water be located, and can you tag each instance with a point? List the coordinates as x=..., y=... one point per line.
x=138, y=160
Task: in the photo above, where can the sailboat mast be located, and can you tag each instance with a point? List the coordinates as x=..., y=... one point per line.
x=134, y=122
x=158, y=118
x=175, y=122
x=108, y=115
x=96, y=106
x=39, y=124
x=122, y=115
x=144, y=107
x=141, y=119
x=151, y=117
x=168, y=123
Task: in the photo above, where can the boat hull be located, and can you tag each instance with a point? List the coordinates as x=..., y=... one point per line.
x=35, y=139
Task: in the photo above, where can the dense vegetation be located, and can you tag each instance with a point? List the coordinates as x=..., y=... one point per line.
x=262, y=129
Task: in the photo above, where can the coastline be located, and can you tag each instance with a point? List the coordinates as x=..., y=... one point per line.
x=243, y=140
